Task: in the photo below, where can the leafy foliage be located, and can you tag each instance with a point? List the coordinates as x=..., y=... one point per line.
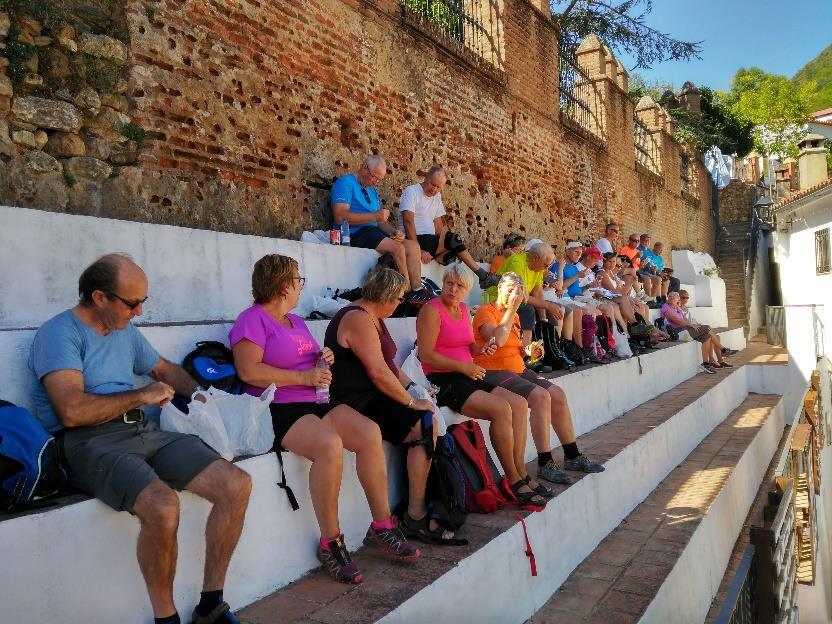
x=819, y=71
x=438, y=12
x=135, y=133
x=775, y=105
x=623, y=26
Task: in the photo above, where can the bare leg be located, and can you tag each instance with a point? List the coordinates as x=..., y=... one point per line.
x=578, y=327
x=361, y=435
x=397, y=250
x=540, y=419
x=519, y=423
x=561, y=416
x=317, y=441
x=418, y=466
x=626, y=309
x=157, y=508
x=228, y=488
x=413, y=257
x=468, y=260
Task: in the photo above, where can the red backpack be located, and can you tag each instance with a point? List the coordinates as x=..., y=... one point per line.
x=485, y=489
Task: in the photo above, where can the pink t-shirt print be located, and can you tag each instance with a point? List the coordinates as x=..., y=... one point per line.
x=289, y=348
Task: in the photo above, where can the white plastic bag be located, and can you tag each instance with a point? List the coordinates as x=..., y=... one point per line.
x=622, y=346
x=247, y=420
x=202, y=420
x=318, y=236
x=412, y=367
x=327, y=305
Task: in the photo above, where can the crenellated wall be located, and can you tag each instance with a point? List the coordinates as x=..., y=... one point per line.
x=249, y=109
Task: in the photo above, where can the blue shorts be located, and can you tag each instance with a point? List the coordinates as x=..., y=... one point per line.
x=367, y=238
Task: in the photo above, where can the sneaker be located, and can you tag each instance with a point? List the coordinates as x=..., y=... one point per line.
x=489, y=280
x=723, y=364
x=392, y=543
x=338, y=563
x=654, y=305
x=552, y=473
x=418, y=297
x=727, y=351
x=705, y=367
x=582, y=463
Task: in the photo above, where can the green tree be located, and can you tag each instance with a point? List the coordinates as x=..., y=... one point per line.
x=623, y=26
x=775, y=105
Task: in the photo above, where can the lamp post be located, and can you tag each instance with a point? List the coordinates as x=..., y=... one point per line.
x=763, y=211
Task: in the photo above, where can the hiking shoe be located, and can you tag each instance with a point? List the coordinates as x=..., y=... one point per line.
x=552, y=473
x=338, y=563
x=418, y=297
x=727, y=351
x=722, y=365
x=489, y=280
x=392, y=543
x=707, y=368
x=582, y=463
x=221, y=613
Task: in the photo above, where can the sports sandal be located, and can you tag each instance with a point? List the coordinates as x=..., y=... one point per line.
x=539, y=488
x=220, y=613
x=527, y=498
x=338, y=563
x=420, y=530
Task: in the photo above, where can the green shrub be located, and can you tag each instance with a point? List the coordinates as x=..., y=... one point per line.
x=135, y=133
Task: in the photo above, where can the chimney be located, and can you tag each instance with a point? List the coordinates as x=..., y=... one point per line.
x=811, y=161
x=782, y=181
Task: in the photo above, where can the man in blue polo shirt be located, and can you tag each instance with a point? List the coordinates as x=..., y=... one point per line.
x=355, y=199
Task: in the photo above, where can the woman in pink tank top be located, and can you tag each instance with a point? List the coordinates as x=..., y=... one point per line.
x=446, y=348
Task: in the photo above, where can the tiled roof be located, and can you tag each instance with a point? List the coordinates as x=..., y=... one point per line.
x=821, y=113
x=802, y=194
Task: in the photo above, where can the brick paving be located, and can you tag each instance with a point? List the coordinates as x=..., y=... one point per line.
x=618, y=580
x=315, y=598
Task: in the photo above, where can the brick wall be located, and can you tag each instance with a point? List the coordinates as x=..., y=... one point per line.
x=735, y=202
x=254, y=107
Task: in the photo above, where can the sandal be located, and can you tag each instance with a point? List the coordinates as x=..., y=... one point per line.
x=220, y=613
x=540, y=489
x=530, y=499
x=420, y=530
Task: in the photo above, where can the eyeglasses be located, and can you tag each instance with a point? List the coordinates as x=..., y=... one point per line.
x=130, y=304
x=633, y=240
x=376, y=179
x=684, y=298
x=302, y=280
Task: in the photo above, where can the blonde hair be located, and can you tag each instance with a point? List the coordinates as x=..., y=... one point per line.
x=513, y=279
x=383, y=285
x=461, y=272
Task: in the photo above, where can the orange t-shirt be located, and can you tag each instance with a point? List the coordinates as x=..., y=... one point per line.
x=628, y=251
x=508, y=357
x=497, y=262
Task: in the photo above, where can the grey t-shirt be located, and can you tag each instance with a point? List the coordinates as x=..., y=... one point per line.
x=108, y=363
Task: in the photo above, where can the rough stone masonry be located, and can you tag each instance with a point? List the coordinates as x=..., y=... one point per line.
x=238, y=115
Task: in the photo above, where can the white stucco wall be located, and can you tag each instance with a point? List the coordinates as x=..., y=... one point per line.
x=690, y=267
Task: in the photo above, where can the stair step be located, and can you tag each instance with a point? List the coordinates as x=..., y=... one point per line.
x=439, y=586
x=667, y=557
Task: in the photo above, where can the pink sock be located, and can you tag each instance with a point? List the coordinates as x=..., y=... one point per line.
x=324, y=541
x=383, y=524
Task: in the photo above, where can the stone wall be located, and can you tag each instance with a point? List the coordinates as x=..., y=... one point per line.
x=735, y=202
x=241, y=114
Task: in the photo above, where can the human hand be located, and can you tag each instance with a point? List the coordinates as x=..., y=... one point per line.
x=382, y=215
x=328, y=355
x=423, y=405
x=474, y=372
x=426, y=257
x=317, y=377
x=556, y=311
x=583, y=273
x=515, y=299
x=398, y=235
x=157, y=393
x=490, y=347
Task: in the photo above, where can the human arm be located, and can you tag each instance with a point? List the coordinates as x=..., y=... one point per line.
x=440, y=227
x=409, y=224
x=428, y=325
x=501, y=330
x=248, y=360
x=342, y=211
x=174, y=376
x=76, y=408
x=678, y=319
x=536, y=300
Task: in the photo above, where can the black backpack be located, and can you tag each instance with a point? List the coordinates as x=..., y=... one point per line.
x=445, y=493
x=212, y=364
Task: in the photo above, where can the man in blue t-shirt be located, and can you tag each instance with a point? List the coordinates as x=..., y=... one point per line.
x=84, y=361
x=355, y=199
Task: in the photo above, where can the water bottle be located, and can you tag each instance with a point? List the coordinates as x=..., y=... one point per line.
x=345, y=232
x=330, y=293
x=322, y=392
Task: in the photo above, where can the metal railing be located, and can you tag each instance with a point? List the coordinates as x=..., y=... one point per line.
x=740, y=602
x=473, y=25
x=684, y=172
x=581, y=102
x=647, y=148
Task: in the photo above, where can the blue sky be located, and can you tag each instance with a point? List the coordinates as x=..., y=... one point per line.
x=779, y=37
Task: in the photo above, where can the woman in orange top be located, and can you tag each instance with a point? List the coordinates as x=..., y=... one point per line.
x=498, y=323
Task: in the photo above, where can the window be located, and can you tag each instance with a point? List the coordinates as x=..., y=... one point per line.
x=822, y=252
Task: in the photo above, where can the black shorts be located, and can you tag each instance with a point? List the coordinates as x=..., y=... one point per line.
x=367, y=237
x=455, y=389
x=528, y=316
x=284, y=415
x=394, y=419
x=453, y=245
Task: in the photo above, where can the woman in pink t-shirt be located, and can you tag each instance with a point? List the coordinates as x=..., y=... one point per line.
x=272, y=346
x=446, y=349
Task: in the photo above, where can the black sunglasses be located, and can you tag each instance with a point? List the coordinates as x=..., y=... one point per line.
x=633, y=240
x=130, y=304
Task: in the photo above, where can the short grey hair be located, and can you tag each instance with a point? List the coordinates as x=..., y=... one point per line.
x=541, y=251
x=672, y=296
x=461, y=272
x=383, y=285
x=374, y=160
x=434, y=169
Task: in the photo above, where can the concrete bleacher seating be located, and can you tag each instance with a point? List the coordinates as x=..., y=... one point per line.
x=79, y=559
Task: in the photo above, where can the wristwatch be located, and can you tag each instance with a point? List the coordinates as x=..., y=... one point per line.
x=410, y=403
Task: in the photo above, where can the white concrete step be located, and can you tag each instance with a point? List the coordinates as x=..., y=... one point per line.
x=665, y=562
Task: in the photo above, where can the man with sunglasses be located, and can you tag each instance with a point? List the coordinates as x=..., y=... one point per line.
x=355, y=199
x=84, y=361
x=422, y=217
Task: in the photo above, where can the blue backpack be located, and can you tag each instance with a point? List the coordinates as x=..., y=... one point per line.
x=29, y=463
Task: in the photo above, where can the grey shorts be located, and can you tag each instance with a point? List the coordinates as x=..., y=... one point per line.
x=115, y=461
x=518, y=383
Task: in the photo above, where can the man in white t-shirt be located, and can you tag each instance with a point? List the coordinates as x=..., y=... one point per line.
x=422, y=217
x=609, y=242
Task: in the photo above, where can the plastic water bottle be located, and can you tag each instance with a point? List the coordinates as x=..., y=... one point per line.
x=345, y=233
x=330, y=293
x=322, y=392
